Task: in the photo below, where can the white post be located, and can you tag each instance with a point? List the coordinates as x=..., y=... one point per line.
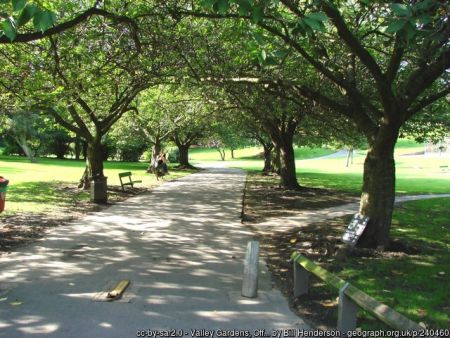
x=301, y=280
x=347, y=311
x=250, y=282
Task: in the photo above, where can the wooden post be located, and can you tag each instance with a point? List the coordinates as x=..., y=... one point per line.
x=301, y=280
x=250, y=282
x=347, y=310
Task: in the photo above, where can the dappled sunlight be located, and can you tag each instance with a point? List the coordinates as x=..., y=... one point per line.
x=181, y=246
x=40, y=329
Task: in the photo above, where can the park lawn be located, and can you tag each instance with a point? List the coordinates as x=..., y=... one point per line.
x=415, y=284
x=252, y=155
x=48, y=185
x=414, y=174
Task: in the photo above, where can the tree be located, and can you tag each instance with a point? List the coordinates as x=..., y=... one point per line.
x=383, y=64
x=21, y=15
x=22, y=126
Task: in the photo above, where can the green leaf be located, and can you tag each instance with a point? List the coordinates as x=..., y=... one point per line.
x=9, y=29
x=314, y=24
x=18, y=4
x=263, y=55
x=223, y=6
x=400, y=9
x=257, y=14
x=318, y=16
x=424, y=5
x=244, y=7
x=258, y=37
x=207, y=3
x=26, y=14
x=395, y=26
x=425, y=19
x=271, y=61
x=43, y=20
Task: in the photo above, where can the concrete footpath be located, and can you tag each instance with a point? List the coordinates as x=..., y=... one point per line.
x=182, y=247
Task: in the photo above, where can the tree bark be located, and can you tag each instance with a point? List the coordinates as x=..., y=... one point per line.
x=276, y=160
x=77, y=149
x=95, y=159
x=232, y=153
x=267, y=158
x=156, y=150
x=184, y=154
x=378, y=191
x=283, y=138
x=288, y=173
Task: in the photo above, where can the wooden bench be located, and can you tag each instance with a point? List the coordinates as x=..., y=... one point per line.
x=131, y=182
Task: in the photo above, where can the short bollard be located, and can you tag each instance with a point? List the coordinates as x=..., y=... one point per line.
x=250, y=282
x=347, y=311
x=301, y=280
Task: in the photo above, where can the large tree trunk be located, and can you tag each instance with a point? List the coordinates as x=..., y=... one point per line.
x=288, y=173
x=267, y=158
x=184, y=154
x=378, y=191
x=283, y=139
x=95, y=159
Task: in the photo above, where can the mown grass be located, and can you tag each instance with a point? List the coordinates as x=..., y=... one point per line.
x=44, y=186
x=414, y=175
x=415, y=285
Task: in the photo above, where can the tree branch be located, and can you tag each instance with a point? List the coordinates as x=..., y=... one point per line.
x=27, y=37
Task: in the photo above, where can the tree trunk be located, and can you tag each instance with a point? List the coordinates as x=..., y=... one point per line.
x=77, y=147
x=184, y=155
x=349, y=157
x=232, y=153
x=283, y=139
x=84, y=149
x=156, y=150
x=378, y=191
x=95, y=159
x=222, y=153
x=288, y=173
x=22, y=142
x=267, y=158
x=276, y=160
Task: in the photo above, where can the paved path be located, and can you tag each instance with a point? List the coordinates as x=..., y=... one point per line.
x=304, y=218
x=182, y=246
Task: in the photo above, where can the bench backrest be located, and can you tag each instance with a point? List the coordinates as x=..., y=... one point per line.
x=128, y=173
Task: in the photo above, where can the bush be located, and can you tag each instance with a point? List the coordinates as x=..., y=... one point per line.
x=174, y=155
x=130, y=152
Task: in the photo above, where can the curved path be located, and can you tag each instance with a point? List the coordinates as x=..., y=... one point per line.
x=182, y=246
x=303, y=218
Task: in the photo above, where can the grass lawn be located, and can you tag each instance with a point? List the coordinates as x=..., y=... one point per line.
x=44, y=186
x=412, y=276
x=415, y=284
x=414, y=174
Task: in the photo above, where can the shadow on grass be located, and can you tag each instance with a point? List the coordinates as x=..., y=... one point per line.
x=51, y=193
x=345, y=182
